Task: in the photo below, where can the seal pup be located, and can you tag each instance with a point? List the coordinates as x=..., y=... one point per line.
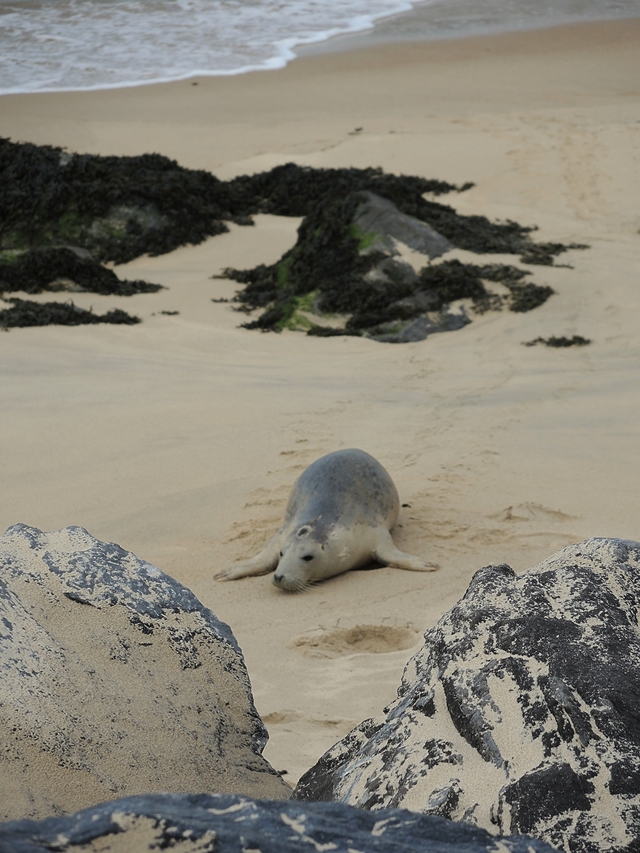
x=339, y=517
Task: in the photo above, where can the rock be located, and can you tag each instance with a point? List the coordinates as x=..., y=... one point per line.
x=228, y=823
x=422, y=327
x=115, y=680
x=392, y=271
x=380, y=217
x=520, y=714
x=423, y=300
x=398, y=271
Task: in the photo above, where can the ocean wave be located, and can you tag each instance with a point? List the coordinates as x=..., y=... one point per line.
x=57, y=45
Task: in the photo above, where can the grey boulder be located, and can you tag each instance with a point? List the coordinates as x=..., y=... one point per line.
x=115, y=680
x=411, y=331
x=380, y=218
x=521, y=713
x=194, y=823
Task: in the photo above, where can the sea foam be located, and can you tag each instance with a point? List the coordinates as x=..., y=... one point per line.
x=53, y=45
x=56, y=45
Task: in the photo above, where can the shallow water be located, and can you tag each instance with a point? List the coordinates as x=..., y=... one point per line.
x=84, y=44
x=71, y=44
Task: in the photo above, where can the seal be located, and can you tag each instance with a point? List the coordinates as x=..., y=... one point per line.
x=340, y=515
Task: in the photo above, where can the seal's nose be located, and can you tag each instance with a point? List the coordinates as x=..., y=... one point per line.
x=277, y=579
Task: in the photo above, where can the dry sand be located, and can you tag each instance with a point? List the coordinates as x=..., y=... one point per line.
x=180, y=438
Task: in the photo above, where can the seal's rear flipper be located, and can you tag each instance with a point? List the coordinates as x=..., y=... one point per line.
x=387, y=554
x=263, y=563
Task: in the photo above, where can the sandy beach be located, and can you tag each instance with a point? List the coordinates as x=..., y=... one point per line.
x=180, y=438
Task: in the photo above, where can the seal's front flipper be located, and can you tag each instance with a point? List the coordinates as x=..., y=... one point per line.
x=263, y=563
x=387, y=554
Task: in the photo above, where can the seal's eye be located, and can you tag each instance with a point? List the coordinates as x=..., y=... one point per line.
x=303, y=531
x=281, y=554
x=307, y=558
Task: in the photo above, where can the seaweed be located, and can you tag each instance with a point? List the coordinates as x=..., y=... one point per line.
x=544, y=253
x=116, y=207
x=328, y=332
x=121, y=207
x=292, y=190
x=57, y=205
x=25, y=312
x=553, y=341
x=526, y=297
x=64, y=268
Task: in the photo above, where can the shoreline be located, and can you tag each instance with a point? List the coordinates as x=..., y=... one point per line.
x=273, y=63
x=425, y=22
x=298, y=109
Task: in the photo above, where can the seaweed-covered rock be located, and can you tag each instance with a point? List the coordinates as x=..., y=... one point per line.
x=25, y=312
x=65, y=268
x=121, y=207
x=521, y=714
x=343, y=263
x=336, y=267
x=115, y=680
x=293, y=190
x=422, y=327
x=228, y=823
x=118, y=208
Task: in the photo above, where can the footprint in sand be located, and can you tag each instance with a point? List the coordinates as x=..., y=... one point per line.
x=530, y=511
x=276, y=718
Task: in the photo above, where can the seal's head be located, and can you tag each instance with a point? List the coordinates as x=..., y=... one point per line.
x=306, y=557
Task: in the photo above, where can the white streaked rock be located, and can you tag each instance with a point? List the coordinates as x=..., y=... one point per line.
x=115, y=680
x=521, y=713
